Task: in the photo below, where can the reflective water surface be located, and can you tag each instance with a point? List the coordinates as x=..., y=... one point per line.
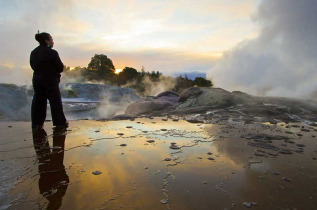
x=157, y=164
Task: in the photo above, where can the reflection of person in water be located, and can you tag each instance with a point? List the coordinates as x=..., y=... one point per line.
x=53, y=180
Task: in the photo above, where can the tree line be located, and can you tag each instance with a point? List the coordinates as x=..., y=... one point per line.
x=101, y=69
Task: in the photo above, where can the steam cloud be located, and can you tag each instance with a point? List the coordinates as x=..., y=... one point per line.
x=153, y=88
x=281, y=61
x=109, y=109
x=15, y=75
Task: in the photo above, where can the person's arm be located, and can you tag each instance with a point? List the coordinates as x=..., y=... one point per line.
x=32, y=62
x=57, y=62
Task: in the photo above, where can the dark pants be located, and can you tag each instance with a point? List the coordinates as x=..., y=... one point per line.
x=42, y=92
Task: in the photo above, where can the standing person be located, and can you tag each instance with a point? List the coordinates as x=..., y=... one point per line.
x=47, y=67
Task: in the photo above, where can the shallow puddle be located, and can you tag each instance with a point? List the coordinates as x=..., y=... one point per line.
x=155, y=164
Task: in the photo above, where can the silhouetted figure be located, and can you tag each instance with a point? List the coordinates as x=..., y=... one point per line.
x=53, y=180
x=47, y=67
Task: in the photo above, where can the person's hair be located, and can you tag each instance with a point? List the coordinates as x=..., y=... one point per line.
x=42, y=37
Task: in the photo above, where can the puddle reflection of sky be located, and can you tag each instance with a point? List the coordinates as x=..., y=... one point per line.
x=134, y=175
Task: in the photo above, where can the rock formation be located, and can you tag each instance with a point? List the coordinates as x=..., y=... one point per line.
x=149, y=105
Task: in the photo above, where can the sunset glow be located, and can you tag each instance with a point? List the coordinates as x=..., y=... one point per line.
x=159, y=35
x=118, y=71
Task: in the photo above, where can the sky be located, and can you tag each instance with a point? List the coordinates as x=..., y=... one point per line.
x=261, y=47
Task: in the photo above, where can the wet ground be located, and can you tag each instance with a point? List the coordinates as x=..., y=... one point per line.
x=158, y=163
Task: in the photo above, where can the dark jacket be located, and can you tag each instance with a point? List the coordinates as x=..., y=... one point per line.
x=46, y=64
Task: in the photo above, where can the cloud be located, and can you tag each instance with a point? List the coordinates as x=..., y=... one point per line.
x=281, y=61
x=166, y=61
x=168, y=36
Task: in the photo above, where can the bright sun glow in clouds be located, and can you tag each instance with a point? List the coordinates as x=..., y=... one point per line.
x=118, y=71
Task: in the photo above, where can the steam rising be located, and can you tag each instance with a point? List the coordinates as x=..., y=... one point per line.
x=18, y=76
x=95, y=101
x=109, y=109
x=281, y=61
x=153, y=88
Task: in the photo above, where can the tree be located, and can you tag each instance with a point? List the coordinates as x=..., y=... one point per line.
x=202, y=82
x=182, y=83
x=100, y=68
x=127, y=74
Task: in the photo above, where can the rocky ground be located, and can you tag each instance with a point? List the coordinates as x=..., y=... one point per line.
x=214, y=104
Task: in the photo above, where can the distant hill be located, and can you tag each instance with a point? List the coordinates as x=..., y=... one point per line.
x=192, y=75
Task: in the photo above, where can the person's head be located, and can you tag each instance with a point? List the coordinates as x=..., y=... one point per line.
x=44, y=39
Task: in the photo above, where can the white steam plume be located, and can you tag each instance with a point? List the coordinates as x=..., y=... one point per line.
x=152, y=88
x=14, y=75
x=281, y=61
